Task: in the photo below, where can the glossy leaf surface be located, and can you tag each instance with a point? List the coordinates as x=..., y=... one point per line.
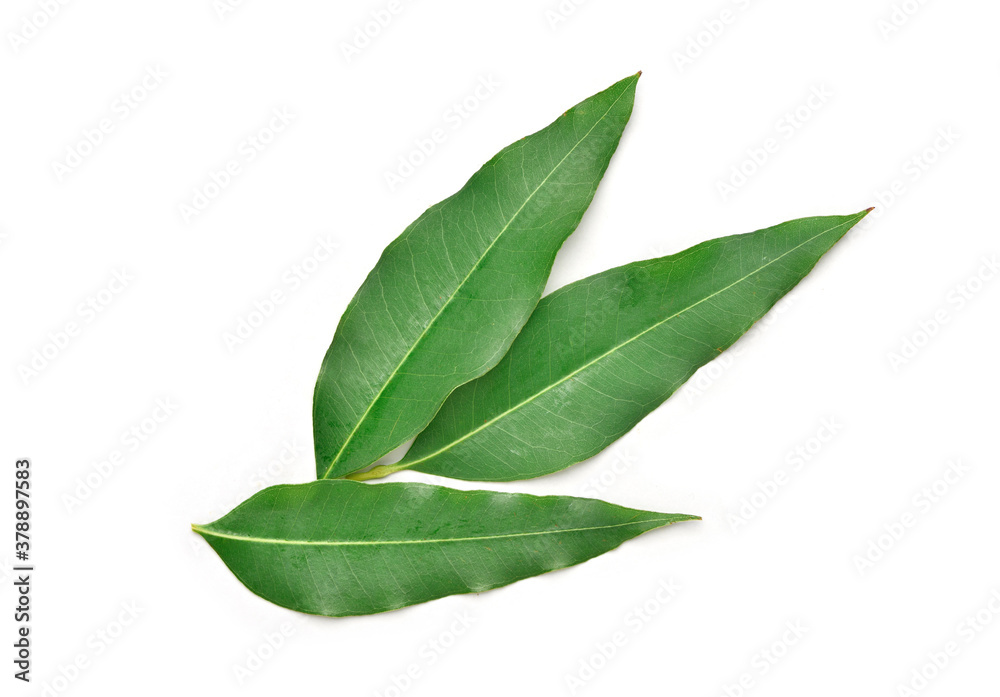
x=448, y=296
x=600, y=354
x=337, y=547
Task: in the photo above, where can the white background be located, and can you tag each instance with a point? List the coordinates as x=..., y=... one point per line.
x=826, y=356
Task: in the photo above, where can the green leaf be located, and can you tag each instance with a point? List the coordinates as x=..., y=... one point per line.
x=600, y=354
x=449, y=295
x=336, y=547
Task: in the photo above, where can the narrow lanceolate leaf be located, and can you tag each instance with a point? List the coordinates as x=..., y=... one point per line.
x=449, y=294
x=336, y=547
x=600, y=354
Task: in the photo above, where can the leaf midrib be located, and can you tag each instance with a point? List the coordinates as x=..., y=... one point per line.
x=447, y=302
x=362, y=543
x=532, y=398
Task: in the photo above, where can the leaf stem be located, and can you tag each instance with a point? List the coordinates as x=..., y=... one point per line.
x=376, y=472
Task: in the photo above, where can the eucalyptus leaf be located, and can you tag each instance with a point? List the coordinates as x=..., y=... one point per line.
x=448, y=296
x=337, y=547
x=600, y=354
